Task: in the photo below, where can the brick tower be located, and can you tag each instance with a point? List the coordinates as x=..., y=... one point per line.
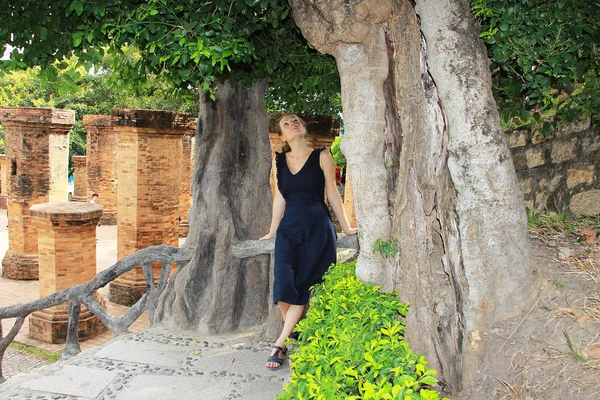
x=37, y=150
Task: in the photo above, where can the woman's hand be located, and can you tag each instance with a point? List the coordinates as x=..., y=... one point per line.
x=351, y=231
x=268, y=236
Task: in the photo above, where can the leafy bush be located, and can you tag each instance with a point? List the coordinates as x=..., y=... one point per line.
x=544, y=59
x=351, y=346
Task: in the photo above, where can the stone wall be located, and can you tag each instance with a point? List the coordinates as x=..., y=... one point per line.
x=560, y=171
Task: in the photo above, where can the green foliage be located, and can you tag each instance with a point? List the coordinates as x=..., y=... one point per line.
x=544, y=59
x=550, y=220
x=351, y=345
x=46, y=355
x=336, y=152
x=387, y=248
x=190, y=45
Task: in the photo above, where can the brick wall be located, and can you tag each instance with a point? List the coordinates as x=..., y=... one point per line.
x=36, y=158
x=101, y=164
x=561, y=171
x=149, y=187
x=3, y=183
x=79, y=162
x=187, y=171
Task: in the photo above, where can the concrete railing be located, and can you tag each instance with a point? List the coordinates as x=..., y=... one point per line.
x=83, y=294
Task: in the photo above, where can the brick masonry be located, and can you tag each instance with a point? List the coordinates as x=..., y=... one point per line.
x=79, y=162
x=3, y=183
x=149, y=187
x=37, y=145
x=187, y=166
x=67, y=257
x=560, y=171
x=101, y=164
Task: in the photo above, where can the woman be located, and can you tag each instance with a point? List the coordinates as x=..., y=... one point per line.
x=305, y=244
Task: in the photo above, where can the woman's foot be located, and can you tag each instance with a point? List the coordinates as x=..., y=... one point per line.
x=276, y=358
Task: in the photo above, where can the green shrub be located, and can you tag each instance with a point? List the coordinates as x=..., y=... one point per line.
x=351, y=346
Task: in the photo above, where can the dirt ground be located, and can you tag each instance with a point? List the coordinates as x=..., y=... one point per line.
x=552, y=350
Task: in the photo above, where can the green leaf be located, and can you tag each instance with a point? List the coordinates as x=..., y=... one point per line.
x=77, y=38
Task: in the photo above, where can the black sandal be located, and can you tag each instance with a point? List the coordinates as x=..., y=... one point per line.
x=277, y=357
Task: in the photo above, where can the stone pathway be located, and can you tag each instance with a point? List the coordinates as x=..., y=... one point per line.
x=157, y=364
x=16, y=361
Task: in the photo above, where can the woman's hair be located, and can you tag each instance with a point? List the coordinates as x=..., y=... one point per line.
x=286, y=147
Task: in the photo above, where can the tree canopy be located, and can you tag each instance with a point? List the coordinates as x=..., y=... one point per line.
x=544, y=55
x=189, y=44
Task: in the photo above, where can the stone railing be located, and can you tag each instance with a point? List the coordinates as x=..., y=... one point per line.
x=83, y=294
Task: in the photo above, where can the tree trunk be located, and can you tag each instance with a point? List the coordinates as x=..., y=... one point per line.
x=450, y=191
x=216, y=292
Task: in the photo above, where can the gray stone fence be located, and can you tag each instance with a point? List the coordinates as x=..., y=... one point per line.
x=83, y=294
x=560, y=171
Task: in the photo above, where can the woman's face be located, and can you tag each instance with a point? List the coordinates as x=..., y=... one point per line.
x=291, y=126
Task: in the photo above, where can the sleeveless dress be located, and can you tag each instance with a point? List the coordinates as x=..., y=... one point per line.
x=305, y=245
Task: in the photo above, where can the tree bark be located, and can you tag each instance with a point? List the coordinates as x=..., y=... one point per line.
x=421, y=109
x=216, y=292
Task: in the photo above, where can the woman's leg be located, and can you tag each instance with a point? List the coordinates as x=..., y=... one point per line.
x=283, y=307
x=292, y=316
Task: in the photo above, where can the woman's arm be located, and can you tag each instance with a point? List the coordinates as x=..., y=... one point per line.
x=333, y=196
x=278, y=209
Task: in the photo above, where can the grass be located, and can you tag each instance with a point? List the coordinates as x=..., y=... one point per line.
x=46, y=355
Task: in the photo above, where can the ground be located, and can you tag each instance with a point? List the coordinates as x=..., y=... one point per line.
x=552, y=349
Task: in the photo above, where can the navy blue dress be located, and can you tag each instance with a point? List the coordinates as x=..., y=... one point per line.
x=305, y=245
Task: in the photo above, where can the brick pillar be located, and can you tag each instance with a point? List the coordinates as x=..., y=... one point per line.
x=185, y=196
x=67, y=257
x=3, y=183
x=101, y=164
x=79, y=162
x=149, y=176
x=349, y=202
x=37, y=150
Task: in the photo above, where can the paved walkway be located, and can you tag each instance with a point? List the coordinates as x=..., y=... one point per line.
x=145, y=364
x=157, y=365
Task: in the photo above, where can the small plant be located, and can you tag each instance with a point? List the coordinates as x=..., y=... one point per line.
x=351, y=345
x=387, y=248
x=576, y=354
x=550, y=220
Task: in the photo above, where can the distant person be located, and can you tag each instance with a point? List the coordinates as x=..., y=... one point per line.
x=70, y=196
x=94, y=198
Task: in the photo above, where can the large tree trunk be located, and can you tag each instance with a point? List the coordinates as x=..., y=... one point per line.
x=216, y=292
x=450, y=190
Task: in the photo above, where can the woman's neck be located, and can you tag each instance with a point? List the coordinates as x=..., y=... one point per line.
x=299, y=146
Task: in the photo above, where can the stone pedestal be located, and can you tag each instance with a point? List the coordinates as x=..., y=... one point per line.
x=101, y=164
x=79, y=162
x=3, y=183
x=149, y=185
x=37, y=149
x=185, y=196
x=67, y=257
